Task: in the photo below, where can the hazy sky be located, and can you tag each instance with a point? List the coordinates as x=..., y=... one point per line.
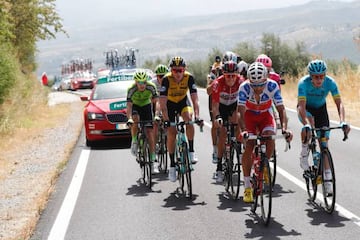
x=73, y=11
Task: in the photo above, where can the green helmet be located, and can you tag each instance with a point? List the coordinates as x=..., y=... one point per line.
x=161, y=69
x=141, y=76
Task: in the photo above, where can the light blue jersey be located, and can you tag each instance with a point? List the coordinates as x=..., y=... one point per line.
x=316, y=97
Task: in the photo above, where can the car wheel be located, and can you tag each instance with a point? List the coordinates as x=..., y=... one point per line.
x=89, y=143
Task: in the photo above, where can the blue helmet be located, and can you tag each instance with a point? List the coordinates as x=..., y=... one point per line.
x=317, y=67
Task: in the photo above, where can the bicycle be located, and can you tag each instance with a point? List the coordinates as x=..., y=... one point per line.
x=143, y=154
x=316, y=174
x=183, y=164
x=162, y=151
x=261, y=177
x=231, y=167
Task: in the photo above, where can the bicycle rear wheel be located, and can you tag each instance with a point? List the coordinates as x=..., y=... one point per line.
x=329, y=196
x=311, y=181
x=266, y=193
x=272, y=163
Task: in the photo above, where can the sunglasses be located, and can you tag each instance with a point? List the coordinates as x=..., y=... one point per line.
x=318, y=76
x=178, y=70
x=255, y=85
x=141, y=83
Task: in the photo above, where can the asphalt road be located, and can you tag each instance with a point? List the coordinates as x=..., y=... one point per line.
x=99, y=196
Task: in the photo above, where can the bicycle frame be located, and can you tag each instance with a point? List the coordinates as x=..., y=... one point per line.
x=143, y=155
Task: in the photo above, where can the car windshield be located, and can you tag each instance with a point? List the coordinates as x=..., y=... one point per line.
x=110, y=90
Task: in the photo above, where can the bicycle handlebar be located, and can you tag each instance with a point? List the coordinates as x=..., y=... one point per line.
x=324, y=129
x=270, y=137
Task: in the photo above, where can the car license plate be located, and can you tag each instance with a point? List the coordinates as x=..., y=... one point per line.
x=121, y=126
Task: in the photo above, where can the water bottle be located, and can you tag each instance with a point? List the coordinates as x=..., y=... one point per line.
x=316, y=158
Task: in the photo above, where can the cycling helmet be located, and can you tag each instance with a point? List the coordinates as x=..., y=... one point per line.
x=317, y=67
x=257, y=73
x=217, y=59
x=161, y=69
x=177, y=62
x=141, y=76
x=229, y=67
x=229, y=56
x=242, y=66
x=264, y=59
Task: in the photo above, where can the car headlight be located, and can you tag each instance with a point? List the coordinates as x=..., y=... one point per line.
x=95, y=116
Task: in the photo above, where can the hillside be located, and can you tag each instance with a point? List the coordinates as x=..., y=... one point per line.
x=326, y=27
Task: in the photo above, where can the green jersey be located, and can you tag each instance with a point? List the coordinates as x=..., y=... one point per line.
x=142, y=98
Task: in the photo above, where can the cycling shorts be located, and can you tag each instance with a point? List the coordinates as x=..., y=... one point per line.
x=227, y=111
x=179, y=107
x=145, y=112
x=259, y=122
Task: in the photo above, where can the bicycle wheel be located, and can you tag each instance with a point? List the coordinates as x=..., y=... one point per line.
x=272, y=163
x=311, y=181
x=233, y=174
x=162, y=154
x=266, y=193
x=254, y=182
x=188, y=169
x=329, y=196
x=147, y=165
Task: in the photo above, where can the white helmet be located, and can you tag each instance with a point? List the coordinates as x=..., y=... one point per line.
x=242, y=66
x=257, y=73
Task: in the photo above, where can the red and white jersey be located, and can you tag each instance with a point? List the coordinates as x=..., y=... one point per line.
x=224, y=94
x=271, y=94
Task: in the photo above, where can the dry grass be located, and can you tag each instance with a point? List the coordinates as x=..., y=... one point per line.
x=349, y=85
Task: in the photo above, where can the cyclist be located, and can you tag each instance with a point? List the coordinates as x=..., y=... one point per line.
x=216, y=65
x=224, y=104
x=141, y=97
x=256, y=95
x=312, y=111
x=242, y=69
x=210, y=79
x=266, y=60
x=173, y=100
x=160, y=71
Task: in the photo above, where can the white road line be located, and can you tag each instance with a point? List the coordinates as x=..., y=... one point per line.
x=343, y=211
x=61, y=224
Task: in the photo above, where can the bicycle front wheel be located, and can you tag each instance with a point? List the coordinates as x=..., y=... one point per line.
x=146, y=166
x=188, y=169
x=272, y=163
x=266, y=193
x=233, y=174
x=328, y=185
x=162, y=154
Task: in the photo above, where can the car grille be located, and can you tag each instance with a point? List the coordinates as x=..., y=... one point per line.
x=116, y=118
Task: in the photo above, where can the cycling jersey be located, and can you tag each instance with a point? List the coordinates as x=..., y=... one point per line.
x=274, y=76
x=141, y=98
x=271, y=94
x=174, y=91
x=316, y=97
x=224, y=94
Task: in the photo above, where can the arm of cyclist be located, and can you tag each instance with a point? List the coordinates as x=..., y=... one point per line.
x=283, y=120
x=341, y=111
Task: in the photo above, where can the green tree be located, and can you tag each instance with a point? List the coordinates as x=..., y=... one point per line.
x=32, y=20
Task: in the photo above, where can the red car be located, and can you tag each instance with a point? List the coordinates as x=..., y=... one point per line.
x=82, y=80
x=105, y=113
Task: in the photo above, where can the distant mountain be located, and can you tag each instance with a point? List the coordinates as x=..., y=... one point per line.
x=326, y=27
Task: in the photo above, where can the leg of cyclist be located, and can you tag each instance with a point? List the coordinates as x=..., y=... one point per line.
x=187, y=115
x=134, y=130
x=307, y=120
